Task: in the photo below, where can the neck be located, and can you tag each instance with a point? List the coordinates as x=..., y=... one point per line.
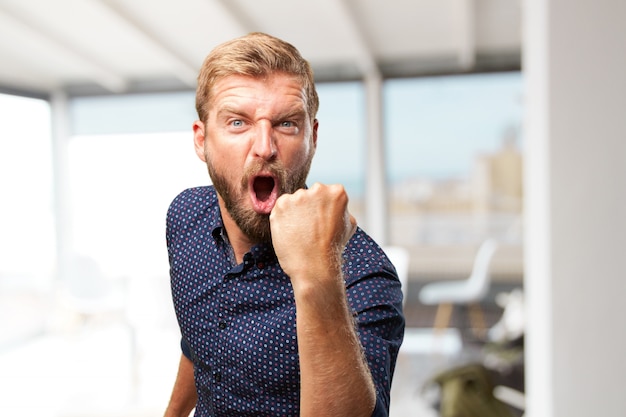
x=239, y=241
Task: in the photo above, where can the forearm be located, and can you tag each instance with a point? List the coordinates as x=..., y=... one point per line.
x=184, y=396
x=335, y=377
x=310, y=229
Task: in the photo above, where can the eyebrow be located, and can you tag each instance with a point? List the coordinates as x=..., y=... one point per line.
x=298, y=112
x=295, y=112
x=229, y=109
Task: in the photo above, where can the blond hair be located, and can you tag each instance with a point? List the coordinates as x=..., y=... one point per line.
x=256, y=55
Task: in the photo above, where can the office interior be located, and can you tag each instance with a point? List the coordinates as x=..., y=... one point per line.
x=534, y=223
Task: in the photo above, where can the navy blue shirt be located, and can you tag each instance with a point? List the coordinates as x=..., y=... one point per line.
x=238, y=321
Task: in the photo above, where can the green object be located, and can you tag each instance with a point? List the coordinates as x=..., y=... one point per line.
x=467, y=391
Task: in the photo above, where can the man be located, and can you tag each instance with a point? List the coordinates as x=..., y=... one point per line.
x=285, y=307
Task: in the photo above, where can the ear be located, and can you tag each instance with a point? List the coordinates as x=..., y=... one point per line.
x=315, y=126
x=199, y=139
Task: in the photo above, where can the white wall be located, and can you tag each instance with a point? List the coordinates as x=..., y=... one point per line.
x=575, y=69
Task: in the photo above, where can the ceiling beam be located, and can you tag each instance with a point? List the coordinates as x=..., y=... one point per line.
x=185, y=70
x=365, y=59
x=102, y=73
x=237, y=15
x=467, y=34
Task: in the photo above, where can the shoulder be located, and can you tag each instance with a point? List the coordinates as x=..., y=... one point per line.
x=364, y=257
x=192, y=206
x=193, y=200
x=373, y=287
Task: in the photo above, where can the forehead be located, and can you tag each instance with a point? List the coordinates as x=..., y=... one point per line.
x=278, y=89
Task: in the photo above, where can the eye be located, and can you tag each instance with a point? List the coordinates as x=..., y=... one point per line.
x=289, y=127
x=237, y=123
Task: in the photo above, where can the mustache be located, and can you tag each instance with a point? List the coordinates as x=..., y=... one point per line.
x=272, y=168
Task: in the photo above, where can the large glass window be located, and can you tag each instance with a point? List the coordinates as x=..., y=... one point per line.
x=453, y=149
x=454, y=153
x=27, y=244
x=121, y=186
x=124, y=173
x=340, y=155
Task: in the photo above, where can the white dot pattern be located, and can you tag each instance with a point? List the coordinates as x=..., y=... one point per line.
x=238, y=321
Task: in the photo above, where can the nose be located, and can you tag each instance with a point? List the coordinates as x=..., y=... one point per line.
x=264, y=143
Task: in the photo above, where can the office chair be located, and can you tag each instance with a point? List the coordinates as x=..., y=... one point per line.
x=470, y=291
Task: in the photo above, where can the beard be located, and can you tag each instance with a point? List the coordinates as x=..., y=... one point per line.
x=256, y=226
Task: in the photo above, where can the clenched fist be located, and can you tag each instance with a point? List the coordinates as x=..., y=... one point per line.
x=310, y=229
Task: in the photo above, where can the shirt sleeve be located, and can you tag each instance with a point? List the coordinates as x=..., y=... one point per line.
x=380, y=410
x=185, y=348
x=381, y=330
x=375, y=296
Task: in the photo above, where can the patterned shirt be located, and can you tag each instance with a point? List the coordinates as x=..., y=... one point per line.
x=238, y=321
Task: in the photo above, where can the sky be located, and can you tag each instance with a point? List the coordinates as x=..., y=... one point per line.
x=433, y=127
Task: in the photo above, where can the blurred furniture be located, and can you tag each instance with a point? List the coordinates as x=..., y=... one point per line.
x=469, y=390
x=399, y=257
x=469, y=292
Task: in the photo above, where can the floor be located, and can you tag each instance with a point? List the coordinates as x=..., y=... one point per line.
x=103, y=368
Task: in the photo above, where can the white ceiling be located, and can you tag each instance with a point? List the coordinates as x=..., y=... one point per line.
x=115, y=46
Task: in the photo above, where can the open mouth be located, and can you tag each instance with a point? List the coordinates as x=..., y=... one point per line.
x=264, y=193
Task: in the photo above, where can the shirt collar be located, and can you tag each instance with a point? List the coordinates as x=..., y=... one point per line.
x=262, y=253
x=214, y=217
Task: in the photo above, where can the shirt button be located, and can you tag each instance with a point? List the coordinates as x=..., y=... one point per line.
x=222, y=325
x=217, y=376
x=260, y=265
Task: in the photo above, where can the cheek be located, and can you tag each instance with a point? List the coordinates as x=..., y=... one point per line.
x=223, y=154
x=303, y=153
x=230, y=165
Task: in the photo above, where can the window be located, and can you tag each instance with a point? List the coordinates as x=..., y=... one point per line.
x=27, y=238
x=454, y=157
x=340, y=155
x=125, y=169
x=27, y=242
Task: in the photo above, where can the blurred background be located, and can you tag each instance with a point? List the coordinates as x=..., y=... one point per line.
x=428, y=118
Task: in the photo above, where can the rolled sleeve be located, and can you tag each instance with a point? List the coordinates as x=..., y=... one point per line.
x=184, y=347
x=380, y=410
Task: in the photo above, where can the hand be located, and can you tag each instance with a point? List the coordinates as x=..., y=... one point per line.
x=310, y=229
